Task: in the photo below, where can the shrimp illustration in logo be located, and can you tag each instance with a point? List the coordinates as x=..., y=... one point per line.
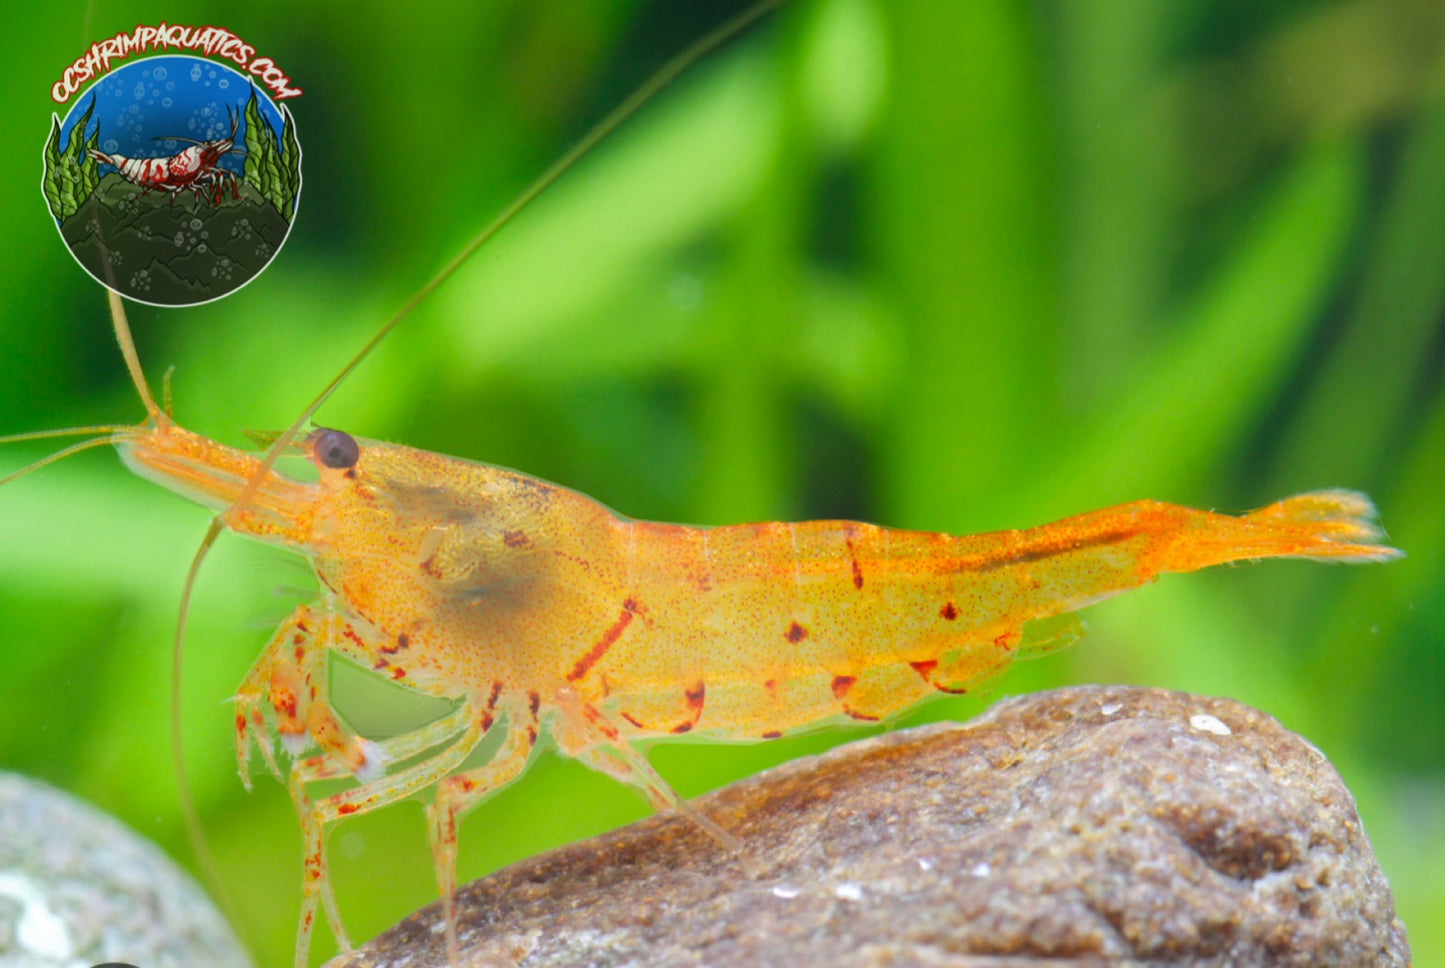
x=191, y=170
x=174, y=181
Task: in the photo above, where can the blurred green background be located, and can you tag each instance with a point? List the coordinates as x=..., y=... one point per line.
x=952, y=266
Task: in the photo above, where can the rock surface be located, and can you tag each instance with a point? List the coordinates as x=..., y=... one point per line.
x=1081, y=826
x=78, y=889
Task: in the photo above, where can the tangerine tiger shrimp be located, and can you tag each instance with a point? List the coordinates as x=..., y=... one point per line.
x=536, y=609
x=543, y=615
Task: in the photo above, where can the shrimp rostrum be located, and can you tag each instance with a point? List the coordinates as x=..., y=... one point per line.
x=539, y=611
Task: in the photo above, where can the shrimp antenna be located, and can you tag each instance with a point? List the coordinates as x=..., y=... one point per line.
x=62, y=432
x=665, y=76
x=58, y=455
x=190, y=816
x=61, y=454
x=195, y=833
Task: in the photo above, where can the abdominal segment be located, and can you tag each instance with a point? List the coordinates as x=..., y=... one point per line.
x=754, y=630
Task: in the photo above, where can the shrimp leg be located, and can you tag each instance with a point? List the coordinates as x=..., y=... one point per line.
x=275, y=677
x=370, y=795
x=585, y=734
x=290, y=675
x=460, y=792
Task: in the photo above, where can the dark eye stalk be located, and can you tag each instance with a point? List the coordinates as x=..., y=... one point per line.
x=335, y=449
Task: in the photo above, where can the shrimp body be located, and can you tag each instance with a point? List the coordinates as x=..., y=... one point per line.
x=532, y=604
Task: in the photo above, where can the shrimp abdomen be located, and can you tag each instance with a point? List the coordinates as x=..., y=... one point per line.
x=751, y=630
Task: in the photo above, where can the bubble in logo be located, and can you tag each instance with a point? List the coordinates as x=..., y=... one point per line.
x=173, y=180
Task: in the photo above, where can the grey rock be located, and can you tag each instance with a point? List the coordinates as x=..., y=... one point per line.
x=77, y=888
x=1096, y=825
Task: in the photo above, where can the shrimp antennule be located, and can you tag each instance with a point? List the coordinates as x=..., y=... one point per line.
x=61, y=454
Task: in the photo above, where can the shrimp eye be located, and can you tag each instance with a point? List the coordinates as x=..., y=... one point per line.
x=335, y=449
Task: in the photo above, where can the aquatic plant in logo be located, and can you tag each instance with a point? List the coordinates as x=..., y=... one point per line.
x=173, y=180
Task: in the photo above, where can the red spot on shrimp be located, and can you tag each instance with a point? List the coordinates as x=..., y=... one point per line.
x=841, y=685
x=853, y=560
x=284, y=703
x=796, y=633
x=401, y=643
x=606, y=728
x=771, y=685
x=347, y=808
x=949, y=611
x=695, y=696
x=534, y=702
x=496, y=694
x=681, y=728
x=925, y=669
x=865, y=717
x=398, y=672
x=516, y=539
x=582, y=563
x=599, y=649
x=629, y=717
x=772, y=734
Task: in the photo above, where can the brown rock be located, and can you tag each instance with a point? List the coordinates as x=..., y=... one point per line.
x=1081, y=826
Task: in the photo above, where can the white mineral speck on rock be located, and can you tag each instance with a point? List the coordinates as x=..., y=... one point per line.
x=39, y=930
x=849, y=891
x=1209, y=724
x=785, y=891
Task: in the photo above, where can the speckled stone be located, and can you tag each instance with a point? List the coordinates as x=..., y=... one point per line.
x=1096, y=825
x=79, y=889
